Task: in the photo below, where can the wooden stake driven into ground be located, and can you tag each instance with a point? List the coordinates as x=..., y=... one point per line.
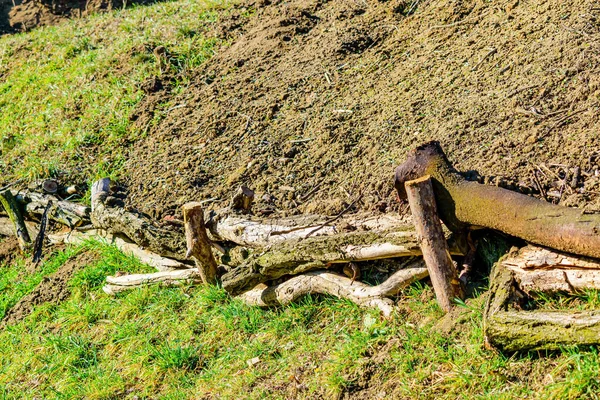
x=432, y=241
x=12, y=209
x=198, y=244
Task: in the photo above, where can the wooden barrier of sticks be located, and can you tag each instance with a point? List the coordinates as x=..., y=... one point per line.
x=268, y=262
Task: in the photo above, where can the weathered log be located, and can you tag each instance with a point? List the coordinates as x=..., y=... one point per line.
x=198, y=244
x=297, y=257
x=256, y=232
x=63, y=212
x=12, y=209
x=462, y=204
x=511, y=330
x=432, y=241
x=121, y=242
x=538, y=269
x=137, y=227
x=7, y=228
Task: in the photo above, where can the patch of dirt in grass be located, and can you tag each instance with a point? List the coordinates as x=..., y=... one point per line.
x=8, y=250
x=52, y=289
x=316, y=102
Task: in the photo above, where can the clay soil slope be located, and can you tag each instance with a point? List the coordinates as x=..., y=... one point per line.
x=313, y=103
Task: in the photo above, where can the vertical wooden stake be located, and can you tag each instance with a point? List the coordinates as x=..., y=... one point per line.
x=11, y=207
x=433, y=244
x=198, y=244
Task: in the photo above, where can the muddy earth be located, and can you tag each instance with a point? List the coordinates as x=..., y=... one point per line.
x=314, y=103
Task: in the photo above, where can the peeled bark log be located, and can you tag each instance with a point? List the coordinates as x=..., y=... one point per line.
x=511, y=330
x=256, y=232
x=432, y=241
x=12, y=209
x=198, y=244
x=139, y=228
x=462, y=204
x=537, y=269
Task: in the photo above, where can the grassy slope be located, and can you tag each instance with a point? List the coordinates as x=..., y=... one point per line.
x=193, y=342
x=75, y=85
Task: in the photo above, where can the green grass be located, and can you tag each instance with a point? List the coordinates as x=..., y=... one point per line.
x=195, y=342
x=67, y=92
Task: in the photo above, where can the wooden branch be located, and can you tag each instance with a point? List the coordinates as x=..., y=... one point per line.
x=198, y=244
x=432, y=241
x=12, y=209
x=400, y=279
x=139, y=228
x=168, y=278
x=317, y=282
x=510, y=330
x=462, y=204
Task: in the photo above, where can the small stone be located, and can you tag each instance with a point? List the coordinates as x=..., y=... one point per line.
x=253, y=361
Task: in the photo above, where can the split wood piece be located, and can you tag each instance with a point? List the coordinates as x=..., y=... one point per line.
x=64, y=212
x=139, y=228
x=198, y=244
x=462, y=204
x=242, y=199
x=168, y=278
x=510, y=330
x=297, y=257
x=537, y=269
x=433, y=244
x=256, y=232
x=12, y=209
